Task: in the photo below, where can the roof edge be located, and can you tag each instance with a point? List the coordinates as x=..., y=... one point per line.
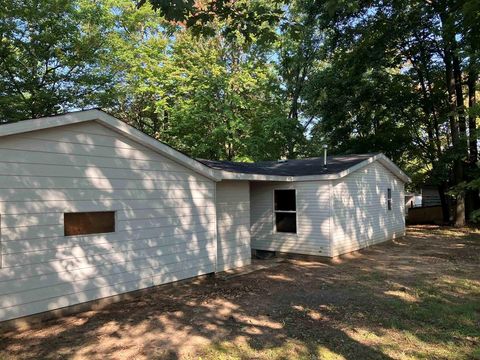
x=114, y=124
x=390, y=165
x=214, y=174
x=385, y=161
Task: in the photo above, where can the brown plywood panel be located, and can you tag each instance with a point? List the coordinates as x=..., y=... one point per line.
x=83, y=223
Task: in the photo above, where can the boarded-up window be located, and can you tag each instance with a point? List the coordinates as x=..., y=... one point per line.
x=83, y=223
x=389, y=199
x=285, y=211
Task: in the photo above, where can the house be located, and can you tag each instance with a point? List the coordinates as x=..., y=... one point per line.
x=428, y=207
x=312, y=208
x=412, y=200
x=430, y=196
x=91, y=208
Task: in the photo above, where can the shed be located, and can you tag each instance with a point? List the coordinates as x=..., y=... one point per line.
x=91, y=208
x=312, y=208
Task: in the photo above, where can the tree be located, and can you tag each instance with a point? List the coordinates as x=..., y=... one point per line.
x=394, y=80
x=224, y=103
x=49, y=57
x=209, y=96
x=253, y=19
x=300, y=55
x=137, y=41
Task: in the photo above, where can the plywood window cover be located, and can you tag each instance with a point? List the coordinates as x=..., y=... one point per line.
x=87, y=223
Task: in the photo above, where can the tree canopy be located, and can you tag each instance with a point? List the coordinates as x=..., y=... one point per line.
x=257, y=80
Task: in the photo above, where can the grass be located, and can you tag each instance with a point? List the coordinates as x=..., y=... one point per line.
x=292, y=349
x=438, y=325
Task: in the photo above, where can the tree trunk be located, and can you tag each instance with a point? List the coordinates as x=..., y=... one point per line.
x=451, y=63
x=472, y=199
x=460, y=107
x=459, y=214
x=472, y=119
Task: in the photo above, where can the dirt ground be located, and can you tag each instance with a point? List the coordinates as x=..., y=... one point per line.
x=415, y=297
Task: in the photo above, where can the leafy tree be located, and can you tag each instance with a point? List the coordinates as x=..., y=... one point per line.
x=49, y=57
x=222, y=99
x=209, y=96
x=300, y=53
x=138, y=42
x=394, y=79
x=253, y=19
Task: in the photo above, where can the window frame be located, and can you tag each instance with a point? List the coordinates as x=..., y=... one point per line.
x=115, y=221
x=285, y=212
x=389, y=199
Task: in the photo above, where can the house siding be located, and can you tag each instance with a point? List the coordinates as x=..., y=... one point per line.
x=313, y=218
x=233, y=224
x=165, y=218
x=430, y=197
x=360, y=215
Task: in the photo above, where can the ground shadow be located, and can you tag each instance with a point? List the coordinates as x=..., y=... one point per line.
x=392, y=299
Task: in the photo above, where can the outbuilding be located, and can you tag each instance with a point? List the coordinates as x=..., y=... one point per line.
x=91, y=208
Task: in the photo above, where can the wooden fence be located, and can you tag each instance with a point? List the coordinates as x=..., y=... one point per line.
x=425, y=215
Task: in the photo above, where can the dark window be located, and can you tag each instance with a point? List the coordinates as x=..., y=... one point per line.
x=389, y=199
x=83, y=223
x=285, y=211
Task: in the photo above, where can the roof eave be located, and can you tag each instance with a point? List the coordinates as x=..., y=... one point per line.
x=390, y=165
x=228, y=175
x=115, y=125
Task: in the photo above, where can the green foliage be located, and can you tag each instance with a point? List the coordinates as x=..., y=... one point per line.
x=209, y=96
x=49, y=53
x=255, y=20
x=223, y=103
x=256, y=80
x=377, y=80
x=212, y=93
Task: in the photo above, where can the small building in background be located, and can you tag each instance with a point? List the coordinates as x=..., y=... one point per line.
x=430, y=196
x=424, y=208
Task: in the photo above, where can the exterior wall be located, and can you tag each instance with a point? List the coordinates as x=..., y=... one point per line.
x=409, y=202
x=233, y=224
x=430, y=196
x=165, y=218
x=360, y=215
x=313, y=218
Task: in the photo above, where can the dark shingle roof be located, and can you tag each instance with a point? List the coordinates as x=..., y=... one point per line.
x=301, y=167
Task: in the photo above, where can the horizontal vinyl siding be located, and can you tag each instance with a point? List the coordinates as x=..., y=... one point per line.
x=165, y=218
x=360, y=214
x=233, y=224
x=313, y=213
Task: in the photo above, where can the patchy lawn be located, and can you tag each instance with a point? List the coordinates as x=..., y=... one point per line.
x=414, y=298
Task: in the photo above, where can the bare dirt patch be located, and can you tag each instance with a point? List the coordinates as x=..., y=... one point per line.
x=415, y=297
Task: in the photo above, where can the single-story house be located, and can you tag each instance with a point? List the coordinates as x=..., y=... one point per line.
x=91, y=208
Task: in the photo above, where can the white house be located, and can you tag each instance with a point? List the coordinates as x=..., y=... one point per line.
x=308, y=207
x=91, y=208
